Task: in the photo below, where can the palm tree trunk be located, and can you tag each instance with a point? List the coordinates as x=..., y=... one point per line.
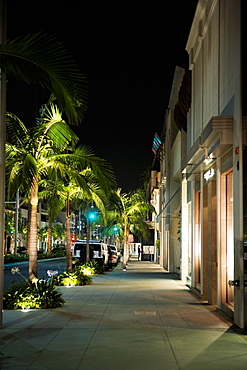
x=76, y=226
x=33, y=232
x=2, y=155
x=68, y=238
x=49, y=237
x=125, y=257
x=28, y=227
x=126, y=247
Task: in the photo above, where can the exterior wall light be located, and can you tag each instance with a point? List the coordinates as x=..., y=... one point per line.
x=209, y=174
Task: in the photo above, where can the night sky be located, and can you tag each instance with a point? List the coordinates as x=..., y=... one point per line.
x=128, y=52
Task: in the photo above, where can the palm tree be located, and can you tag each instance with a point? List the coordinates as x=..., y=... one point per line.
x=30, y=154
x=48, y=151
x=51, y=193
x=68, y=193
x=58, y=232
x=49, y=66
x=88, y=192
x=43, y=234
x=129, y=213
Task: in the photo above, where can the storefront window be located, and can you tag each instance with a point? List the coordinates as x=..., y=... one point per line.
x=229, y=231
x=227, y=243
x=245, y=208
x=197, y=246
x=189, y=239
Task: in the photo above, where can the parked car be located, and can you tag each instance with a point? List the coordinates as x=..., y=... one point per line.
x=98, y=251
x=114, y=254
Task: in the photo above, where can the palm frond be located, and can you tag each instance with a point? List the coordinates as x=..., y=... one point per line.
x=101, y=169
x=39, y=59
x=16, y=130
x=80, y=160
x=55, y=197
x=53, y=127
x=20, y=174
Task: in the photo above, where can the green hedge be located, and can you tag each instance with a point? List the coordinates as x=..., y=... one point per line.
x=20, y=257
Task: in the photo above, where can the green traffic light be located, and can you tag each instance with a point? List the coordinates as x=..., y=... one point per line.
x=92, y=216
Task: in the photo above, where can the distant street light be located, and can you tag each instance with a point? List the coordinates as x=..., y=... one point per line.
x=115, y=229
x=91, y=216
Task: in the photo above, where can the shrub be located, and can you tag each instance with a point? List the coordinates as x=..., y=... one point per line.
x=72, y=278
x=46, y=294
x=66, y=278
x=84, y=279
x=86, y=268
x=14, y=293
x=19, y=257
x=94, y=267
x=35, y=294
x=9, y=258
x=58, y=251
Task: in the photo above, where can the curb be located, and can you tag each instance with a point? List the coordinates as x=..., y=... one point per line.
x=41, y=260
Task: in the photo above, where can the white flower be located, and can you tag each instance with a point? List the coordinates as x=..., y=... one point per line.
x=15, y=270
x=52, y=272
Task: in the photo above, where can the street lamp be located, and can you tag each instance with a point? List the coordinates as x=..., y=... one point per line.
x=91, y=216
x=115, y=229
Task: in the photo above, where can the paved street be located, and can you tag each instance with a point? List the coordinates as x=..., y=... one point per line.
x=140, y=319
x=58, y=264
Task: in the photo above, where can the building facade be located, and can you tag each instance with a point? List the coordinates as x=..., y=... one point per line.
x=169, y=216
x=202, y=188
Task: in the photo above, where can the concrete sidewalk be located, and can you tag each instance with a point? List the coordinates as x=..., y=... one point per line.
x=141, y=319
